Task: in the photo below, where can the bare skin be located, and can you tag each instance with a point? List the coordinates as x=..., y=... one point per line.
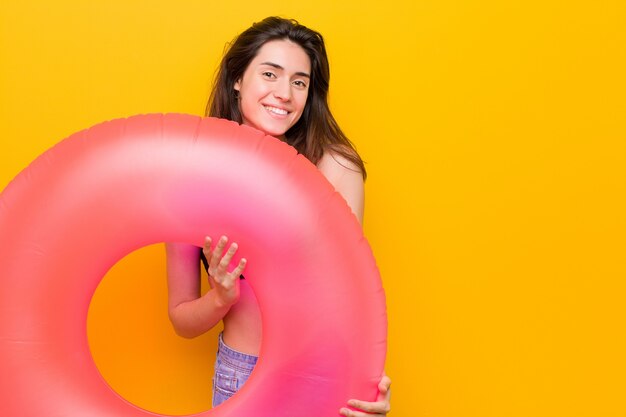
x=273, y=93
x=231, y=299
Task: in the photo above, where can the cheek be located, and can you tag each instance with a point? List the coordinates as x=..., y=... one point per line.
x=249, y=97
x=258, y=89
x=302, y=101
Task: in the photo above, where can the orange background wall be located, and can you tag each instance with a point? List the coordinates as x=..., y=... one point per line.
x=496, y=201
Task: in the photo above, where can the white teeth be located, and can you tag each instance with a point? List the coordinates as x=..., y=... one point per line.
x=276, y=110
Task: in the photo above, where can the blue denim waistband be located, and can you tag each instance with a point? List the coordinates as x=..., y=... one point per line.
x=234, y=357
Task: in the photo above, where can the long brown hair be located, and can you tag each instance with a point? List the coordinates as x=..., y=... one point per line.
x=317, y=130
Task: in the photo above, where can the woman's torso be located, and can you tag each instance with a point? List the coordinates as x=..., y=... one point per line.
x=242, y=323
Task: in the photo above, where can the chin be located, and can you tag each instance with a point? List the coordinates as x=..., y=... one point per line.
x=277, y=134
x=273, y=131
x=269, y=128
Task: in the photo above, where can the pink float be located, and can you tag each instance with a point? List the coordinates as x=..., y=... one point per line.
x=124, y=184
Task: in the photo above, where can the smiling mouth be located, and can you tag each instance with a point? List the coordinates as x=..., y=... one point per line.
x=276, y=110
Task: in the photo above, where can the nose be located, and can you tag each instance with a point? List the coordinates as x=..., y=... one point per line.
x=282, y=90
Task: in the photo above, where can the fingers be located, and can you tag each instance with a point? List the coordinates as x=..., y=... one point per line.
x=384, y=392
x=349, y=413
x=239, y=268
x=213, y=255
x=219, y=261
x=216, y=254
x=377, y=408
x=352, y=413
x=225, y=261
x=206, y=249
x=357, y=413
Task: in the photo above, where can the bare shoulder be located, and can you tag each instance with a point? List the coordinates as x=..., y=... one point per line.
x=334, y=166
x=346, y=177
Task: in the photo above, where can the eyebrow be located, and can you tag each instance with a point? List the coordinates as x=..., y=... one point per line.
x=271, y=64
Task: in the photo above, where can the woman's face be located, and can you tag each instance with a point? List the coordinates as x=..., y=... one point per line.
x=274, y=87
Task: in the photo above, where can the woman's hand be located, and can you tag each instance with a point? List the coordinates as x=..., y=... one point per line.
x=225, y=284
x=190, y=312
x=379, y=408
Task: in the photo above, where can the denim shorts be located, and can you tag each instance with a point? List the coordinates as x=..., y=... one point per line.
x=232, y=369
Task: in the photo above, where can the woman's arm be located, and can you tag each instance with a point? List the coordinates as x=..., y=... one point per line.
x=190, y=313
x=348, y=181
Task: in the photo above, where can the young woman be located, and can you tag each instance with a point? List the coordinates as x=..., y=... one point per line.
x=275, y=78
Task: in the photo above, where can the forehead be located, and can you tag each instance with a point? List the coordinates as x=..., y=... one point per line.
x=285, y=53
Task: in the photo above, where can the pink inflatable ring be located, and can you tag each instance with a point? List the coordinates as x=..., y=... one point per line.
x=121, y=185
